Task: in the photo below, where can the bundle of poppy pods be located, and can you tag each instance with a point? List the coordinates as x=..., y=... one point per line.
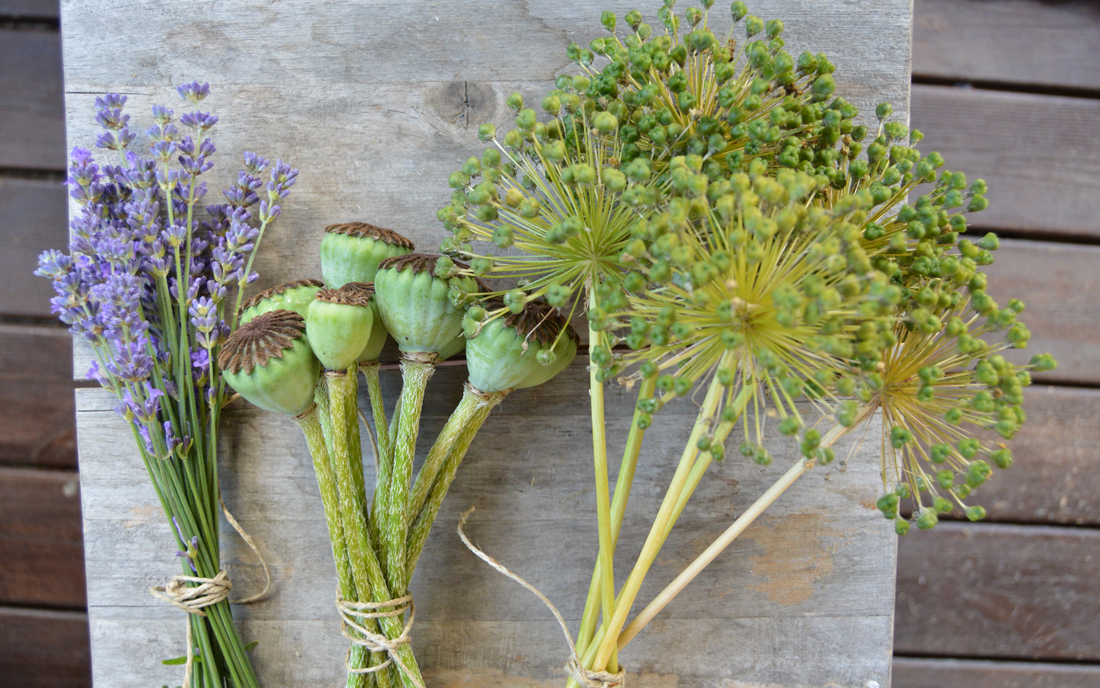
x=299, y=351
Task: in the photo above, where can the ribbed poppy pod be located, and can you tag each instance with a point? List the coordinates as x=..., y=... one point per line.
x=351, y=251
x=415, y=303
x=378, y=334
x=339, y=324
x=270, y=363
x=519, y=350
x=292, y=296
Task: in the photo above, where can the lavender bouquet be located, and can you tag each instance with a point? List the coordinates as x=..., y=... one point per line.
x=155, y=290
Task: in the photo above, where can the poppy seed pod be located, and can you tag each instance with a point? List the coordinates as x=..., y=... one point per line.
x=292, y=296
x=351, y=251
x=378, y=333
x=338, y=324
x=520, y=350
x=269, y=362
x=416, y=305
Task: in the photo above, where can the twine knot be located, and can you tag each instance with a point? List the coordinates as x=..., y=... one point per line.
x=193, y=598
x=587, y=678
x=354, y=616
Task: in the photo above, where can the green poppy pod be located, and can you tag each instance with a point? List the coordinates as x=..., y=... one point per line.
x=505, y=353
x=453, y=348
x=339, y=324
x=270, y=363
x=292, y=296
x=351, y=251
x=415, y=303
x=378, y=334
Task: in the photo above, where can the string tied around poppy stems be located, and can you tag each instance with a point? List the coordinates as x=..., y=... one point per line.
x=585, y=677
x=352, y=616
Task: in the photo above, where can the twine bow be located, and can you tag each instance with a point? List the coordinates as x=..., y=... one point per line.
x=585, y=677
x=353, y=614
x=194, y=593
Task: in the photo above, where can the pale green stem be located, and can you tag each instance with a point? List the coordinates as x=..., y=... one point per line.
x=476, y=413
x=623, y=484
x=599, y=653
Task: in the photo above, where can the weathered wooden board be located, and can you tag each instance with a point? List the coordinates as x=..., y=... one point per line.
x=965, y=673
x=37, y=427
x=1017, y=42
x=987, y=591
x=376, y=104
x=32, y=134
x=816, y=570
x=48, y=10
x=1036, y=152
x=41, y=553
x=34, y=217
x=1053, y=478
x=43, y=649
x=1057, y=283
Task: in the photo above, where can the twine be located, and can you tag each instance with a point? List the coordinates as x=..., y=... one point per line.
x=585, y=677
x=354, y=614
x=207, y=592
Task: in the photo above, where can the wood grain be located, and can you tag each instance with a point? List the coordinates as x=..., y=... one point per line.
x=911, y=672
x=1037, y=154
x=377, y=103
x=1057, y=283
x=34, y=217
x=1018, y=42
x=41, y=551
x=996, y=591
x=32, y=123
x=819, y=563
x=44, y=649
x=37, y=427
x=30, y=9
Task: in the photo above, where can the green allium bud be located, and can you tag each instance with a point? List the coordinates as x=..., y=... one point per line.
x=338, y=324
x=352, y=251
x=268, y=361
x=975, y=513
x=292, y=296
x=415, y=304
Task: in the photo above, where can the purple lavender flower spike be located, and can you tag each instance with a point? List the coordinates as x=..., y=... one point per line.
x=193, y=91
x=254, y=164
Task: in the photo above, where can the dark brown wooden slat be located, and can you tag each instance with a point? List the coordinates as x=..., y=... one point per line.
x=32, y=118
x=962, y=673
x=1021, y=42
x=1053, y=479
x=1039, y=155
x=41, y=539
x=995, y=591
x=37, y=427
x=34, y=217
x=1058, y=283
x=44, y=649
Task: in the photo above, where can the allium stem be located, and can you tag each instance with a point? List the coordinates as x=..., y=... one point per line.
x=603, y=497
x=415, y=375
x=599, y=653
x=719, y=545
x=470, y=415
x=623, y=485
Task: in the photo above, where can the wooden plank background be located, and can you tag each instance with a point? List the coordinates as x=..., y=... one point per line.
x=1019, y=55
x=376, y=109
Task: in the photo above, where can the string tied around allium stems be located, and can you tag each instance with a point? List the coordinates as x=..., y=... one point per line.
x=585, y=677
x=354, y=614
x=207, y=592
